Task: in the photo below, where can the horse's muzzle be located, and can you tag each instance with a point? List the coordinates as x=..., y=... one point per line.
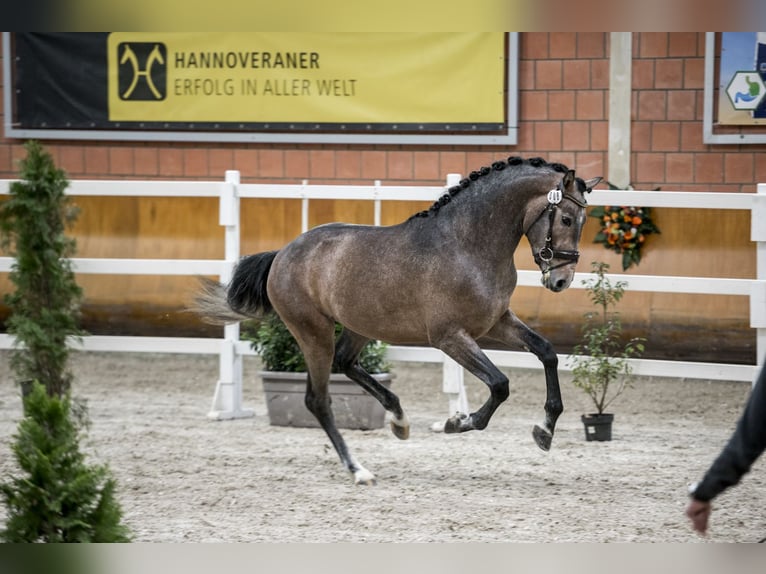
x=557, y=279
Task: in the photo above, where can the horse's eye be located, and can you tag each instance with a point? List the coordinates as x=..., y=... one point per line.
x=566, y=220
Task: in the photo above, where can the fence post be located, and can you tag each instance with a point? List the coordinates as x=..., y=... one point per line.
x=304, y=207
x=376, y=217
x=453, y=375
x=758, y=290
x=227, y=401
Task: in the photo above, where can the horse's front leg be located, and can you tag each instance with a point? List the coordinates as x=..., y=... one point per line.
x=509, y=330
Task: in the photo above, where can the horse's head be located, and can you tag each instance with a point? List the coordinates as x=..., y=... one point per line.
x=555, y=229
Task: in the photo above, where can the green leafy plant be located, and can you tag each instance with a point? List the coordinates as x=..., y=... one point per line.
x=279, y=351
x=45, y=306
x=61, y=498
x=624, y=229
x=601, y=367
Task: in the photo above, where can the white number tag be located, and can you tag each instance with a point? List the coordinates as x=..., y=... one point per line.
x=555, y=196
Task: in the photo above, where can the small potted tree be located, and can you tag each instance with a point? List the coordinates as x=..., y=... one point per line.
x=601, y=368
x=284, y=380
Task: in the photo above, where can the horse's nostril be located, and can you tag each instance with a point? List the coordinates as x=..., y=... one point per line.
x=560, y=284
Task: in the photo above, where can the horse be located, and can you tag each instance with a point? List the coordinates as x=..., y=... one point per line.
x=442, y=278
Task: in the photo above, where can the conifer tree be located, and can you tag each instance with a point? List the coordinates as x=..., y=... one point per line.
x=59, y=498
x=45, y=306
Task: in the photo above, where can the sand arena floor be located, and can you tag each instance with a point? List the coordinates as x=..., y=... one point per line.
x=184, y=478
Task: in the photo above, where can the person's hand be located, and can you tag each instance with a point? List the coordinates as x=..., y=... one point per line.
x=699, y=513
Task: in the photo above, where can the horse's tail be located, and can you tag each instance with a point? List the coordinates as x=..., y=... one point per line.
x=245, y=296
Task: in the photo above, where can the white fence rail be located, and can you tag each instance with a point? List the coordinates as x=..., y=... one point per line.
x=227, y=400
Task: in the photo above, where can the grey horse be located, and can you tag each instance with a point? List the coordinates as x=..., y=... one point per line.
x=442, y=278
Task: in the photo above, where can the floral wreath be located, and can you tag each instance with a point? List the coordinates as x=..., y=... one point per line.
x=624, y=229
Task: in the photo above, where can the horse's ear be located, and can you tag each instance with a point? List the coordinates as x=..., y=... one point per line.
x=592, y=182
x=569, y=179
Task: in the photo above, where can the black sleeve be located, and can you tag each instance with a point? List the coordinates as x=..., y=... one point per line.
x=744, y=447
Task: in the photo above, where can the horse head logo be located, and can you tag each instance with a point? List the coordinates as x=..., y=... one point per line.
x=152, y=73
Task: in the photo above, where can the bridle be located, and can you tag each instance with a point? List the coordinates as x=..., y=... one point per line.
x=547, y=253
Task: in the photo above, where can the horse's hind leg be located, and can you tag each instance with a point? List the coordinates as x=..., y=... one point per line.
x=316, y=340
x=347, y=351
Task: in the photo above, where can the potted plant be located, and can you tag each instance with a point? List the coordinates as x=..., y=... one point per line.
x=601, y=367
x=284, y=380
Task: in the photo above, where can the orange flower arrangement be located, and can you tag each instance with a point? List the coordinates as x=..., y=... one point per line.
x=624, y=230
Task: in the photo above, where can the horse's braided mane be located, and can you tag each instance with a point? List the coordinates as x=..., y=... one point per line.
x=512, y=161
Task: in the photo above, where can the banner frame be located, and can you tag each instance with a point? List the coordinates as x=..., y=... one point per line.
x=509, y=137
x=708, y=126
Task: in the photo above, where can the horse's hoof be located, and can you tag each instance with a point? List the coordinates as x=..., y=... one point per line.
x=364, y=477
x=542, y=437
x=454, y=424
x=400, y=431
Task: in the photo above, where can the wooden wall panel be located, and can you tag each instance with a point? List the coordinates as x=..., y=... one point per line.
x=702, y=243
x=268, y=224
x=697, y=243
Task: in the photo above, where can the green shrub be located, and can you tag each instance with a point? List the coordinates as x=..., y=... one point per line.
x=279, y=350
x=60, y=498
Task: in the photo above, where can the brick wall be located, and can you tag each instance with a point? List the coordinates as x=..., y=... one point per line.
x=563, y=111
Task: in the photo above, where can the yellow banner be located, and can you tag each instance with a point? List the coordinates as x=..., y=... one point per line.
x=322, y=78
